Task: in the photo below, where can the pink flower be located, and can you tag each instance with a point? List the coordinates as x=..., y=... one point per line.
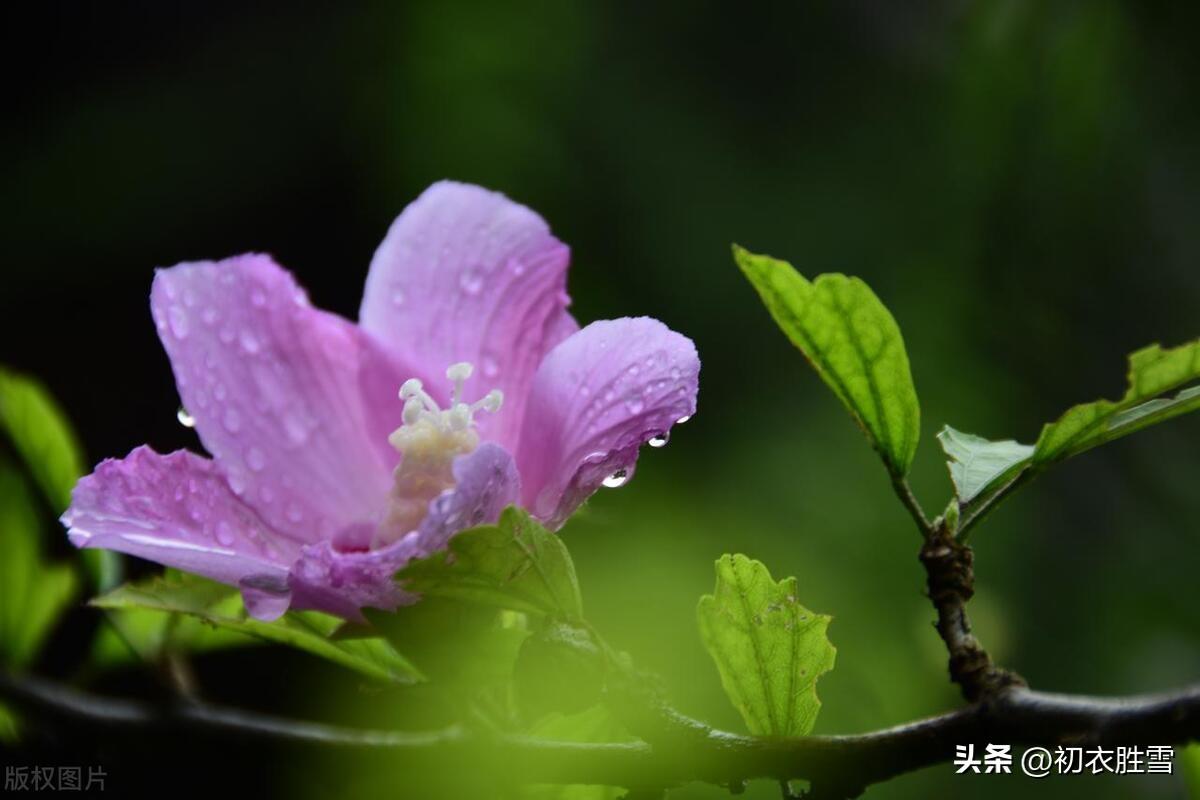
x=322, y=482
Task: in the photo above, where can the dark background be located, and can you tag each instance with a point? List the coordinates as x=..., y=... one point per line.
x=1019, y=181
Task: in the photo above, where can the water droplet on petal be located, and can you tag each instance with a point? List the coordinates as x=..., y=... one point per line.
x=517, y=266
x=471, y=281
x=490, y=366
x=683, y=419
x=659, y=440
x=294, y=514
x=248, y=341
x=185, y=419
x=635, y=405
x=255, y=459
x=224, y=534
x=616, y=480
x=266, y=597
x=258, y=298
x=397, y=297
x=232, y=420
x=178, y=319
x=209, y=315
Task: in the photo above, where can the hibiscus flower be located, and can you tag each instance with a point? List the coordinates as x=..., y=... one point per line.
x=340, y=451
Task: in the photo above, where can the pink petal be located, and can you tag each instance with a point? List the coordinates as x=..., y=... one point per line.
x=595, y=399
x=294, y=403
x=338, y=578
x=176, y=510
x=465, y=274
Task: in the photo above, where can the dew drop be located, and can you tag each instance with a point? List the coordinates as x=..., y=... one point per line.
x=471, y=281
x=616, y=480
x=659, y=440
x=490, y=366
x=397, y=297
x=224, y=534
x=232, y=420
x=177, y=318
x=248, y=341
x=517, y=266
x=683, y=419
x=294, y=514
x=255, y=459
x=635, y=405
x=258, y=298
x=267, y=597
x=185, y=419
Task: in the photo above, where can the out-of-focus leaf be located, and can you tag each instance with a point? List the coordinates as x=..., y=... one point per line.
x=769, y=649
x=41, y=435
x=33, y=592
x=855, y=345
x=46, y=442
x=9, y=727
x=593, y=725
x=1153, y=371
x=560, y=669
x=515, y=564
x=978, y=466
x=222, y=606
x=1189, y=765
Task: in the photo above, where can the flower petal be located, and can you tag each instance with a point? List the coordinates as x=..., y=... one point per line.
x=485, y=481
x=291, y=401
x=595, y=399
x=342, y=581
x=176, y=510
x=465, y=274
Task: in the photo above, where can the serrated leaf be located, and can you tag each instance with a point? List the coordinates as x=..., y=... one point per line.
x=515, y=564
x=221, y=606
x=1153, y=372
x=977, y=465
x=33, y=592
x=769, y=649
x=855, y=345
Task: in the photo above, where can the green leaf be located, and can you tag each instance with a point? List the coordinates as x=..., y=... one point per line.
x=1189, y=765
x=979, y=466
x=593, y=725
x=1153, y=371
x=147, y=635
x=853, y=342
x=33, y=593
x=769, y=649
x=46, y=442
x=221, y=606
x=515, y=564
x=9, y=726
x=41, y=435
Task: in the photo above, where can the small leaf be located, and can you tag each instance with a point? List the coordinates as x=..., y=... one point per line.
x=769, y=649
x=853, y=342
x=220, y=605
x=977, y=465
x=515, y=564
x=33, y=593
x=1153, y=371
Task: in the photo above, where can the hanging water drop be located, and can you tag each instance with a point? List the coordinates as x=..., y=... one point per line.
x=659, y=440
x=616, y=480
x=683, y=419
x=185, y=419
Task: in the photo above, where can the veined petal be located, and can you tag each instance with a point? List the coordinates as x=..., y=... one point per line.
x=465, y=274
x=176, y=510
x=595, y=399
x=340, y=578
x=293, y=403
x=485, y=481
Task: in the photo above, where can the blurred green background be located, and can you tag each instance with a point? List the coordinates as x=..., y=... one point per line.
x=1019, y=181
